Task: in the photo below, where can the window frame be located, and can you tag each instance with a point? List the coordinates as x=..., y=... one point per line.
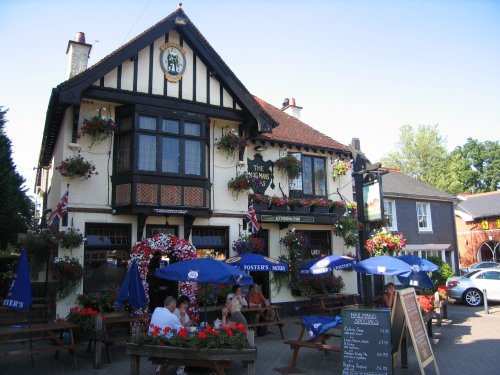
x=428, y=216
x=391, y=213
x=299, y=181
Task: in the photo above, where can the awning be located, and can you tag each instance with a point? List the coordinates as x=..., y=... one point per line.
x=427, y=246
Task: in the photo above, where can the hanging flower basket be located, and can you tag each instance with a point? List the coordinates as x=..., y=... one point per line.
x=385, y=243
x=69, y=272
x=249, y=244
x=347, y=227
x=76, y=166
x=243, y=182
x=231, y=142
x=70, y=238
x=340, y=168
x=98, y=128
x=289, y=165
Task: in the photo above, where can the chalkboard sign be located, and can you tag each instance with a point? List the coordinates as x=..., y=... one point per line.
x=366, y=342
x=407, y=300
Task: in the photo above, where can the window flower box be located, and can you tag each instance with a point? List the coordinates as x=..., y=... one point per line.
x=278, y=203
x=320, y=206
x=299, y=205
x=260, y=201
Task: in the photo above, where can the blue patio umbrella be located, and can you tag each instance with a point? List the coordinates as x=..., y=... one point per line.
x=421, y=263
x=19, y=295
x=383, y=265
x=204, y=270
x=418, y=279
x=132, y=290
x=257, y=262
x=327, y=264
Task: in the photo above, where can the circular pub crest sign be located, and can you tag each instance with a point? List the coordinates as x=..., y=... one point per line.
x=173, y=61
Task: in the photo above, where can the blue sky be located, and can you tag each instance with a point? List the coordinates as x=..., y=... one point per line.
x=359, y=68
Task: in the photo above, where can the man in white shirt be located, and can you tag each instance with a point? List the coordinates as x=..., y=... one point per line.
x=165, y=317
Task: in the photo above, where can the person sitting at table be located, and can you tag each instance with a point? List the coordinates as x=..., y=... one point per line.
x=237, y=294
x=231, y=315
x=388, y=296
x=181, y=310
x=164, y=317
x=256, y=299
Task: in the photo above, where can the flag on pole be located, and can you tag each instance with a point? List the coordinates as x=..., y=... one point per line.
x=60, y=210
x=252, y=217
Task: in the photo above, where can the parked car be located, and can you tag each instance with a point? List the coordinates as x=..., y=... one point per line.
x=469, y=288
x=478, y=266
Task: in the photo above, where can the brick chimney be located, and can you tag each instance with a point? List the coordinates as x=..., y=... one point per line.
x=78, y=55
x=290, y=108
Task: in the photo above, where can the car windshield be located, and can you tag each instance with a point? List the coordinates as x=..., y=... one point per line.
x=468, y=275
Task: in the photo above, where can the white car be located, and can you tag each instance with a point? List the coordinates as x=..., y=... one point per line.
x=479, y=265
x=469, y=288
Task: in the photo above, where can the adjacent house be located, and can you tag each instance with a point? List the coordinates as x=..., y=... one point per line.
x=477, y=219
x=164, y=101
x=424, y=214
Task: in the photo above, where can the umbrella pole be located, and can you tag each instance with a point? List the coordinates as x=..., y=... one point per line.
x=206, y=289
x=31, y=340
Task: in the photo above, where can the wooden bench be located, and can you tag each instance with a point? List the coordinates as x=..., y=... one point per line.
x=276, y=322
x=48, y=337
x=319, y=343
x=112, y=330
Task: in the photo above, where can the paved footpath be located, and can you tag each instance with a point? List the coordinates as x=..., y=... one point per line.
x=468, y=342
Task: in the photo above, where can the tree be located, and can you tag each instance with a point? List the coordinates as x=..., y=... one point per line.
x=477, y=166
x=16, y=208
x=421, y=154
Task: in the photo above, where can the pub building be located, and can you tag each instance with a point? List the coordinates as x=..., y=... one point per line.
x=173, y=99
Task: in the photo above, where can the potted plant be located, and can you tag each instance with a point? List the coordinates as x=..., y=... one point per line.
x=260, y=201
x=278, y=203
x=69, y=273
x=76, y=166
x=299, y=205
x=340, y=168
x=84, y=317
x=384, y=242
x=70, y=238
x=320, y=205
x=98, y=128
x=231, y=142
x=289, y=165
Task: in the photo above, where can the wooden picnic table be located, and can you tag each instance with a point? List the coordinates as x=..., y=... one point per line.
x=47, y=337
x=110, y=330
x=251, y=312
x=321, y=343
x=333, y=303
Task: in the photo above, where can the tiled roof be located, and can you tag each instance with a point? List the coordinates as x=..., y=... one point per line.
x=481, y=205
x=397, y=184
x=292, y=130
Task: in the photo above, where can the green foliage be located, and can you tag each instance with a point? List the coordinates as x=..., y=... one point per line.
x=18, y=210
x=316, y=284
x=473, y=167
x=281, y=279
x=103, y=302
x=444, y=272
x=39, y=244
x=347, y=227
x=289, y=165
x=477, y=166
x=420, y=153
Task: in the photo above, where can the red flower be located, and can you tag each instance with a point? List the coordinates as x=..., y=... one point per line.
x=182, y=333
x=202, y=335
